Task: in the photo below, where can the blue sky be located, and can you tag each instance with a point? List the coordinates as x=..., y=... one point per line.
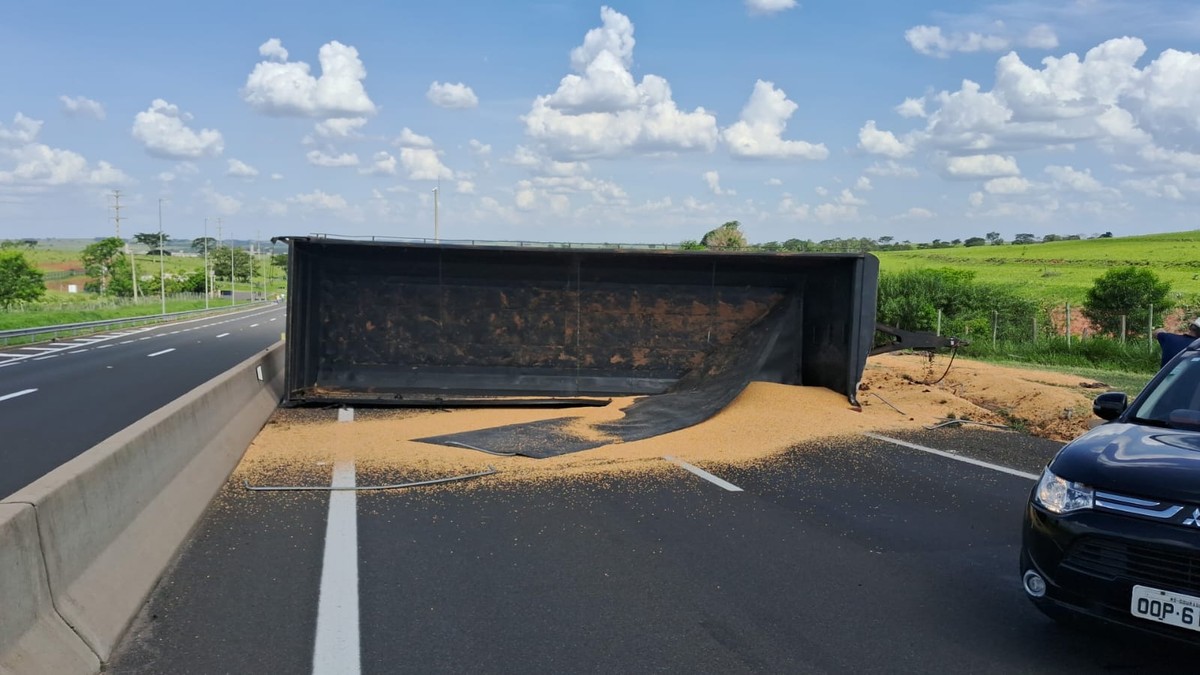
x=575, y=121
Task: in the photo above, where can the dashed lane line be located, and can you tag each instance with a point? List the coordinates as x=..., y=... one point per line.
x=724, y=484
x=16, y=394
x=950, y=455
x=336, y=649
x=48, y=356
x=222, y=335
x=165, y=351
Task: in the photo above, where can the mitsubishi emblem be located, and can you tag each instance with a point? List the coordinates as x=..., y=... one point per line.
x=1194, y=520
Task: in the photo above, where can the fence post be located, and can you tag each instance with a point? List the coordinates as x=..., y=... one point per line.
x=1035, y=328
x=995, y=324
x=1122, y=329
x=1150, y=327
x=1068, y=326
x=939, y=326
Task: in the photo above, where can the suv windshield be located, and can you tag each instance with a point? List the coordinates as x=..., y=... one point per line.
x=1178, y=390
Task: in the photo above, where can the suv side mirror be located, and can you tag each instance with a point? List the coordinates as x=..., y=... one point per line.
x=1110, y=404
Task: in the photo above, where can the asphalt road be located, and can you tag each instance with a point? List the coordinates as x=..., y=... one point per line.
x=862, y=556
x=59, y=399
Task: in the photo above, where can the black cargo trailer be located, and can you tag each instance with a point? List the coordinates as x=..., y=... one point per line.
x=402, y=323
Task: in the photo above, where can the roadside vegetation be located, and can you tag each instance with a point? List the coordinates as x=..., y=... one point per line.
x=54, y=282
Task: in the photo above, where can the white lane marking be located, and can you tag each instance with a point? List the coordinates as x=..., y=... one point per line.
x=145, y=338
x=274, y=318
x=950, y=455
x=16, y=394
x=124, y=342
x=165, y=351
x=704, y=474
x=11, y=363
x=48, y=356
x=62, y=344
x=222, y=335
x=78, y=351
x=103, y=346
x=254, y=325
x=39, y=349
x=15, y=356
x=336, y=649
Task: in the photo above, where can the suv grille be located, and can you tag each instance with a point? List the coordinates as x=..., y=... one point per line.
x=1152, y=565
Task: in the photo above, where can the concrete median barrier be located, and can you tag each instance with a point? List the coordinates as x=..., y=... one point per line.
x=33, y=637
x=111, y=520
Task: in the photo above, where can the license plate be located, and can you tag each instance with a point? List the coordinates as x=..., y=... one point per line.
x=1173, y=609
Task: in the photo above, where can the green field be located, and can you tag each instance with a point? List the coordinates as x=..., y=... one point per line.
x=1063, y=271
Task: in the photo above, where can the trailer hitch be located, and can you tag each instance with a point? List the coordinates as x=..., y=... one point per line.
x=904, y=339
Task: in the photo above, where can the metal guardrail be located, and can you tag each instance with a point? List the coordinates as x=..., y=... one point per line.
x=92, y=326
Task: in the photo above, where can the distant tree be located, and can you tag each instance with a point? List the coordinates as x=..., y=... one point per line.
x=975, y=241
x=1072, y=237
x=151, y=239
x=687, y=245
x=198, y=244
x=99, y=260
x=221, y=262
x=1051, y=237
x=798, y=245
x=1125, y=291
x=726, y=237
x=994, y=239
x=886, y=240
x=956, y=242
x=1106, y=235
x=1024, y=238
x=19, y=280
x=280, y=260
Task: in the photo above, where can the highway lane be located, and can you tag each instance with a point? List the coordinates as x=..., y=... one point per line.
x=848, y=557
x=59, y=399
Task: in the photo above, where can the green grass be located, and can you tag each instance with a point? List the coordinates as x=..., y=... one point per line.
x=15, y=320
x=1063, y=271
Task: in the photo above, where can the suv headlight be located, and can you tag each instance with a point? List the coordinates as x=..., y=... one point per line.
x=1062, y=496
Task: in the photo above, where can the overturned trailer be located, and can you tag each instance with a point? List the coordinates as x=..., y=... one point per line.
x=402, y=323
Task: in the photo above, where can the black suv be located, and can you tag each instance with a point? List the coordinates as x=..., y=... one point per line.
x=1112, y=529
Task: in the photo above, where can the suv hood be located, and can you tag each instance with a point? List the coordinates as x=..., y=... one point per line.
x=1135, y=460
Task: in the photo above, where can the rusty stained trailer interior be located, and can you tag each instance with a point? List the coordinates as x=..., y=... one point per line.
x=394, y=323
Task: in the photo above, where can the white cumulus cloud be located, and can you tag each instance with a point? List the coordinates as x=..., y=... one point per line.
x=600, y=111
x=1009, y=185
x=281, y=87
x=982, y=166
x=318, y=199
x=82, y=106
x=23, y=130
x=318, y=158
x=763, y=7
x=240, y=169
x=423, y=164
x=163, y=131
x=713, y=180
x=410, y=139
x=930, y=41
x=37, y=164
x=451, y=95
x=1073, y=179
x=340, y=127
x=759, y=132
x=382, y=164
x=878, y=142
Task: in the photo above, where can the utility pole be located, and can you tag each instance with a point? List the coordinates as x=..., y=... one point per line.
x=435, y=213
x=117, y=220
x=162, y=274
x=206, y=288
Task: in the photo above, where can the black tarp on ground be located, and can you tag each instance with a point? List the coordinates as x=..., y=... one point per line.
x=700, y=394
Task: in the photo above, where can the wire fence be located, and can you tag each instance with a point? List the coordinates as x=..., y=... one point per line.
x=99, y=302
